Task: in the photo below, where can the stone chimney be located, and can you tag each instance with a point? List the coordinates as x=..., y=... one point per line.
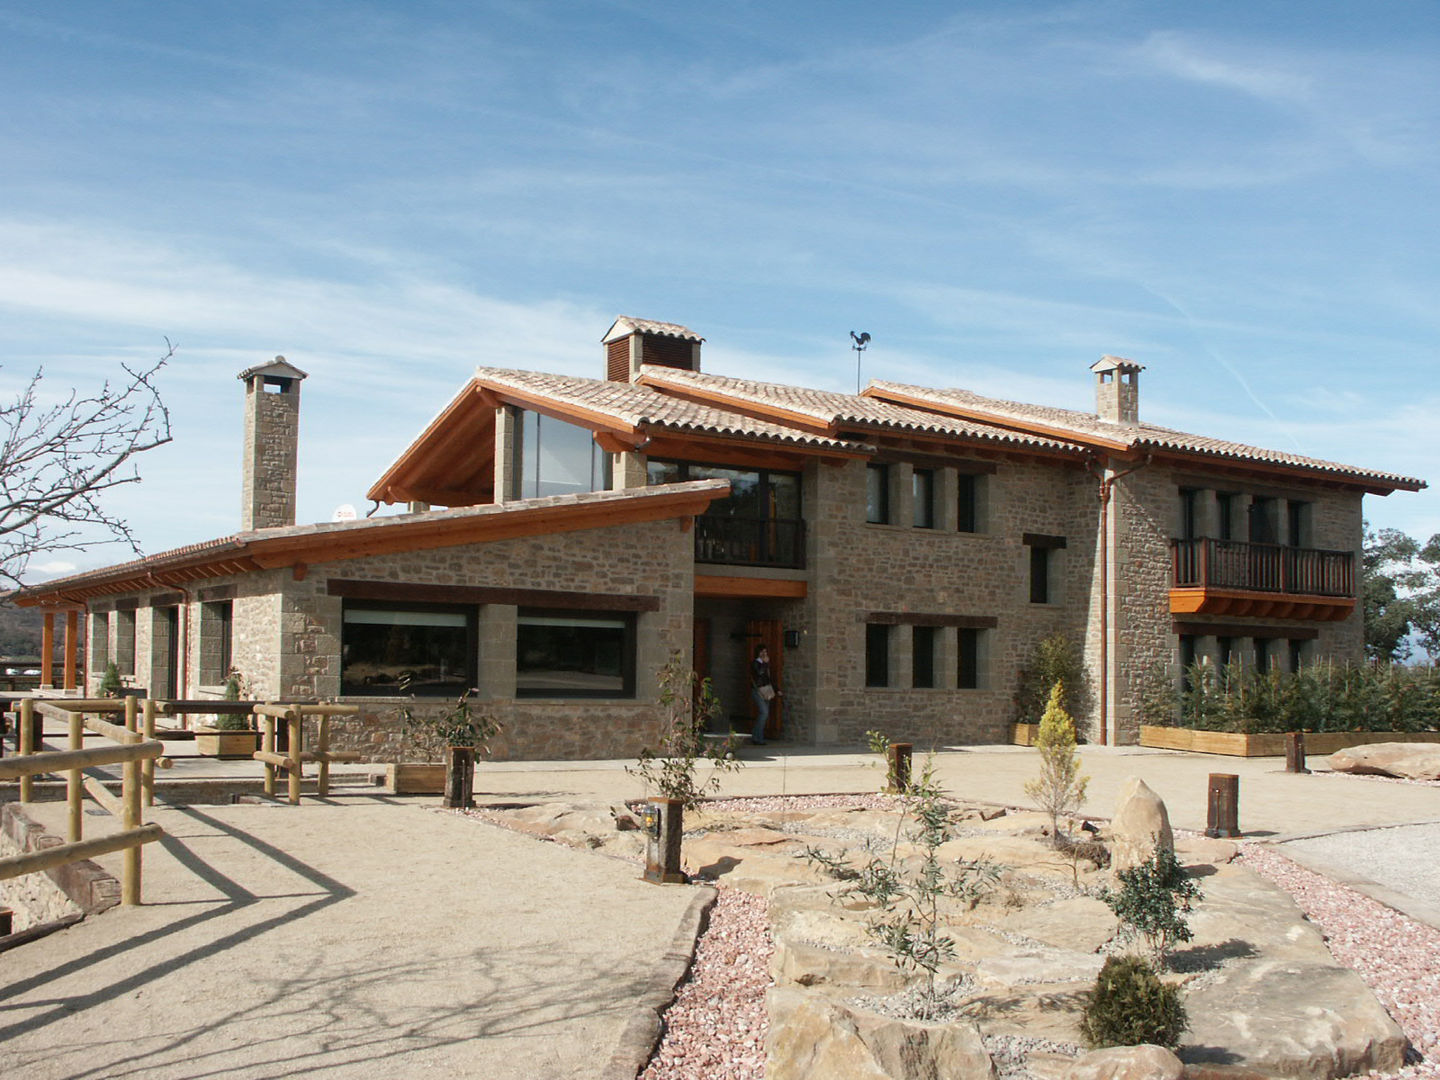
x=632, y=342
x=272, y=436
x=1117, y=389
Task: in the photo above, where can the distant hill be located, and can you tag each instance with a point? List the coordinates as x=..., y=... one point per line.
x=20, y=630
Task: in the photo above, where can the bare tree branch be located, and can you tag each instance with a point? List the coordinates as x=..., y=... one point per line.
x=58, y=461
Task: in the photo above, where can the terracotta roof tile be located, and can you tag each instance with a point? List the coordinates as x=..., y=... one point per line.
x=840, y=410
x=625, y=325
x=641, y=407
x=1142, y=436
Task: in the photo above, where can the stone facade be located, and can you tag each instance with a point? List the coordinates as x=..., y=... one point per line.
x=272, y=434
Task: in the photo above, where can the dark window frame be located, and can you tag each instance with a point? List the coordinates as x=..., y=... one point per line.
x=922, y=657
x=922, y=489
x=967, y=502
x=472, y=645
x=877, y=655
x=628, y=654
x=968, y=651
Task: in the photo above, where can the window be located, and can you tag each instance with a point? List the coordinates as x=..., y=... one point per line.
x=877, y=654
x=923, y=486
x=970, y=658
x=1189, y=513
x=1042, y=566
x=556, y=458
x=922, y=657
x=1225, y=515
x=165, y=652
x=1225, y=651
x=125, y=641
x=1264, y=521
x=1039, y=575
x=969, y=498
x=877, y=494
x=99, y=642
x=1297, y=654
x=759, y=523
x=1264, y=653
x=1297, y=532
x=1189, y=653
x=216, y=636
x=566, y=654
x=428, y=650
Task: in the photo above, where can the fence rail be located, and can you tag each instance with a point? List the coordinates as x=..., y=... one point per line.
x=739, y=541
x=1237, y=564
x=132, y=750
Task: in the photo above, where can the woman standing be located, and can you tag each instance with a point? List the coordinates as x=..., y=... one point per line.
x=762, y=689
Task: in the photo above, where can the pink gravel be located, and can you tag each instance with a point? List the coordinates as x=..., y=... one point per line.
x=1398, y=957
x=716, y=1027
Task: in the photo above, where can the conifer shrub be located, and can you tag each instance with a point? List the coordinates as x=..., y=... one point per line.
x=1059, y=789
x=1129, y=1005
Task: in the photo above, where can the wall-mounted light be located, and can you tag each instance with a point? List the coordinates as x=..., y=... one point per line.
x=792, y=639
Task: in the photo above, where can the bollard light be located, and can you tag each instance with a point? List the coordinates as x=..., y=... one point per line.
x=1223, y=806
x=664, y=821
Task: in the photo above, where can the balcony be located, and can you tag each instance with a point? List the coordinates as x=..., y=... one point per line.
x=737, y=541
x=1233, y=577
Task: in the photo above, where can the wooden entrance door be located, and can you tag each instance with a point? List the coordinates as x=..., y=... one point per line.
x=767, y=632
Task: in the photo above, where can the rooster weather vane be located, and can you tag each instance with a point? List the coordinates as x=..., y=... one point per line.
x=861, y=340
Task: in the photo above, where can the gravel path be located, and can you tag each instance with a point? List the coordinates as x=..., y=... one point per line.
x=1405, y=858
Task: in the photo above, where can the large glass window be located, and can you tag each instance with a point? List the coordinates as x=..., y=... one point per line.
x=758, y=523
x=969, y=495
x=877, y=494
x=557, y=458
x=923, y=487
x=574, y=654
x=1039, y=575
x=428, y=650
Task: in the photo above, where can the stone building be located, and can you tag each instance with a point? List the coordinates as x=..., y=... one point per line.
x=900, y=551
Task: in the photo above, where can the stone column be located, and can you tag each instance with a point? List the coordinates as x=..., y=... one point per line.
x=902, y=494
x=947, y=656
x=628, y=471
x=945, y=504
x=507, y=454
x=497, y=632
x=902, y=654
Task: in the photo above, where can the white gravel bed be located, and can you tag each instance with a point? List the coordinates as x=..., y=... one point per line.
x=717, y=1024
x=1398, y=958
x=1372, y=778
x=1404, y=858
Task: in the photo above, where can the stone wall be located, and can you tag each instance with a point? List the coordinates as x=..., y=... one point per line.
x=859, y=568
x=268, y=461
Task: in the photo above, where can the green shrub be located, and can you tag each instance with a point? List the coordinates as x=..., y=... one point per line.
x=1153, y=900
x=1059, y=790
x=1056, y=659
x=110, y=684
x=1130, y=1006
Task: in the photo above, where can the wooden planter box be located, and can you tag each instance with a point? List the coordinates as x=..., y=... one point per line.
x=1024, y=734
x=415, y=778
x=1269, y=745
x=226, y=744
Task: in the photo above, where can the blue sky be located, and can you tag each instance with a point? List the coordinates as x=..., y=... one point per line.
x=1239, y=196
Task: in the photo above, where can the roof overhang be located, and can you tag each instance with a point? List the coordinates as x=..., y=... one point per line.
x=297, y=547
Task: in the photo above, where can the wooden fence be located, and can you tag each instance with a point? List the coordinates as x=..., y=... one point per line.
x=135, y=751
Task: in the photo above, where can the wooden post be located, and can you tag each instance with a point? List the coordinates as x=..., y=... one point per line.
x=322, y=781
x=897, y=767
x=147, y=767
x=1295, y=752
x=459, y=777
x=72, y=635
x=1223, y=807
x=267, y=744
x=47, y=650
x=74, y=789
x=664, y=829
x=296, y=733
x=27, y=745
x=130, y=867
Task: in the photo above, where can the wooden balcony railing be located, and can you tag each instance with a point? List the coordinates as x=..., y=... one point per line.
x=1267, y=568
x=737, y=541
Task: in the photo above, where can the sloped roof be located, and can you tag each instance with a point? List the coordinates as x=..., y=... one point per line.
x=1090, y=429
x=641, y=408
x=836, y=411
x=625, y=325
x=265, y=549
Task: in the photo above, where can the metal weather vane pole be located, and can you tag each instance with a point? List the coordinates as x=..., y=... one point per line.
x=861, y=340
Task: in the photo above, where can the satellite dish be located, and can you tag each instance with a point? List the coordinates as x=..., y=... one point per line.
x=344, y=512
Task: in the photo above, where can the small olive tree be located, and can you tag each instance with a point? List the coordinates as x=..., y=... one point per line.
x=1059, y=790
x=689, y=704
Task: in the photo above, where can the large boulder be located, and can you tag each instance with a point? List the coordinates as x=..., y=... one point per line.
x=813, y=1037
x=1143, y=1062
x=1141, y=824
x=1410, y=761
